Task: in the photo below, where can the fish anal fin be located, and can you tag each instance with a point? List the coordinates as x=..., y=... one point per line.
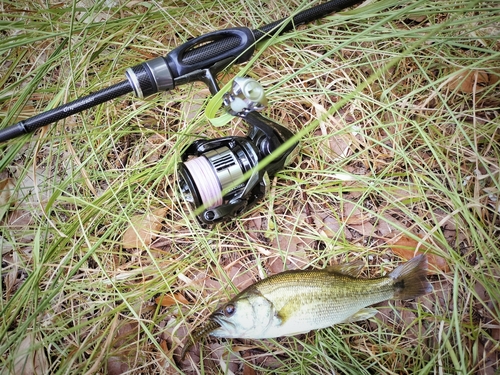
x=363, y=314
x=352, y=269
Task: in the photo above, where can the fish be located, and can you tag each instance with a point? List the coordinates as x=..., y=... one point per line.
x=299, y=301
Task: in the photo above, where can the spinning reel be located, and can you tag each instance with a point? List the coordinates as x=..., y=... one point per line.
x=213, y=173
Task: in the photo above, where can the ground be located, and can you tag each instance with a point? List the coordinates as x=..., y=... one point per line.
x=104, y=266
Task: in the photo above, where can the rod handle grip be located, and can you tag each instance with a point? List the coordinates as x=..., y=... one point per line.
x=206, y=50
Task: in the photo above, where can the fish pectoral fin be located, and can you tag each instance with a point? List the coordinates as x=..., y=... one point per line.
x=287, y=311
x=352, y=269
x=281, y=316
x=362, y=314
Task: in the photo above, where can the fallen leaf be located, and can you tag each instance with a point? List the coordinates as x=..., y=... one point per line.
x=126, y=333
x=328, y=226
x=225, y=359
x=289, y=246
x=122, y=359
x=240, y=278
x=116, y=366
x=292, y=252
x=30, y=357
x=201, y=281
x=405, y=247
x=417, y=18
x=164, y=346
x=143, y=228
x=5, y=246
x=340, y=147
x=469, y=81
x=387, y=225
x=247, y=370
x=6, y=187
x=364, y=228
x=192, y=108
x=34, y=186
x=88, y=16
x=6, y=190
x=164, y=365
x=170, y=300
x=353, y=215
x=19, y=218
x=10, y=272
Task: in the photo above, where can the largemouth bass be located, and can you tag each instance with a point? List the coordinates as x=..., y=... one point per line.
x=294, y=302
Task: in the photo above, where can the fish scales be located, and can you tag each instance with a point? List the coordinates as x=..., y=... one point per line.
x=322, y=296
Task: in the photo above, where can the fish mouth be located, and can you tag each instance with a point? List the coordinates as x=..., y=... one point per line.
x=223, y=324
x=198, y=334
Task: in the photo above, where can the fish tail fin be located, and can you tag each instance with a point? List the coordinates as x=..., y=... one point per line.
x=410, y=278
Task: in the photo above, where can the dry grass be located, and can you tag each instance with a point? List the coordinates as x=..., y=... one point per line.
x=396, y=107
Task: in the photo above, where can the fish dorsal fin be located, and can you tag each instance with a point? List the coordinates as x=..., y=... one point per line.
x=352, y=269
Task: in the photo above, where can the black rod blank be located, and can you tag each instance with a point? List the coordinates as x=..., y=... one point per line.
x=65, y=110
x=306, y=16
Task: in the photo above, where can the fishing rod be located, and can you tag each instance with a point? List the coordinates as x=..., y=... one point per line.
x=199, y=59
x=208, y=167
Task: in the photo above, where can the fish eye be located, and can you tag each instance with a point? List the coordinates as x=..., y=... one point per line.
x=229, y=310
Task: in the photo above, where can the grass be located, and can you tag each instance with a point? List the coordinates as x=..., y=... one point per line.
x=396, y=107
